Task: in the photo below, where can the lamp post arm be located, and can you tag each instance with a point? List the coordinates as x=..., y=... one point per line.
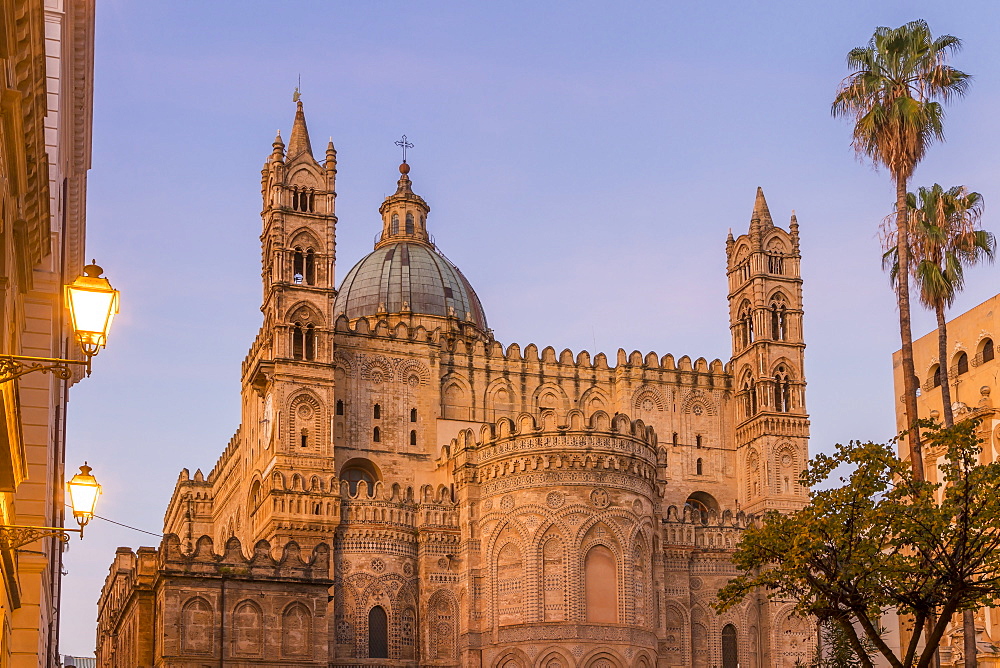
x=12, y=366
x=13, y=537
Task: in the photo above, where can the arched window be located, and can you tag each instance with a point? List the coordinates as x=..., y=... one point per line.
x=936, y=376
x=309, y=336
x=986, y=350
x=674, y=439
x=697, y=441
x=409, y=223
x=601, y=585
x=779, y=318
x=395, y=224
x=340, y=406
x=377, y=412
x=413, y=437
x=298, y=340
x=378, y=633
x=304, y=438
x=376, y=435
x=703, y=503
x=413, y=415
x=298, y=265
x=749, y=396
x=197, y=626
x=357, y=470
x=699, y=467
x=730, y=655
x=310, y=267
x=745, y=325
x=962, y=363
x=782, y=391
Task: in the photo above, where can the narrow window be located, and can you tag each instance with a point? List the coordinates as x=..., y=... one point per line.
x=409, y=223
x=674, y=439
x=298, y=266
x=413, y=437
x=310, y=267
x=298, y=341
x=413, y=415
x=304, y=438
x=377, y=412
x=310, y=342
x=988, y=350
x=376, y=435
x=601, y=585
x=378, y=633
x=698, y=467
x=340, y=406
x=312, y=201
x=395, y=224
x=936, y=378
x=730, y=653
x=697, y=441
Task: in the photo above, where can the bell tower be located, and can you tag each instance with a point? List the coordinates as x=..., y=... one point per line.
x=288, y=380
x=765, y=316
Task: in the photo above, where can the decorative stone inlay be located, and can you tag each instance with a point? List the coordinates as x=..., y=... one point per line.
x=600, y=498
x=344, y=566
x=408, y=569
x=555, y=499
x=487, y=505
x=377, y=565
x=305, y=411
x=506, y=503
x=696, y=583
x=442, y=563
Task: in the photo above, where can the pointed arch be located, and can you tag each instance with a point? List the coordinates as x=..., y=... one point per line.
x=500, y=399
x=549, y=396
x=443, y=624
x=248, y=629
x=197, y=626
x=594, y=399
x=455, y=398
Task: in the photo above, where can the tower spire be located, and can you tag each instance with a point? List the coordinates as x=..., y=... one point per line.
x=298, y=143
x=760, y=211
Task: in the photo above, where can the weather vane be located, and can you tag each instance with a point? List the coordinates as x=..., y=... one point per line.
x=403, y=144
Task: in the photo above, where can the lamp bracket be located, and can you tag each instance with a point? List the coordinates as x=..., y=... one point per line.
x=12, y=366
x=13, y=537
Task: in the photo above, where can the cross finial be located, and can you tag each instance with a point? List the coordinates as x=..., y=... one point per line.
x=403, y=144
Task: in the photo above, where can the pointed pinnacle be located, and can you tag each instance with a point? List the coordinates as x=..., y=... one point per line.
x=760, y=210
x=299, y=141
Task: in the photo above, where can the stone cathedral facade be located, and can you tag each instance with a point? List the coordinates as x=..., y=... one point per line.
x=406, y=491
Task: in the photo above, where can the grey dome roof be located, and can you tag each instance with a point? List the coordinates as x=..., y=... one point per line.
x=415, y=273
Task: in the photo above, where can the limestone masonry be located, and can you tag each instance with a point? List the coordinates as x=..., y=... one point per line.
x=406, y=491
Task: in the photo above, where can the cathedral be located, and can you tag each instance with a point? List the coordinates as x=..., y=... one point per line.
x=404, y=490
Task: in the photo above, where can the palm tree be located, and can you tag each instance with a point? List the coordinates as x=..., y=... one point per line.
x=944, y=240
x=894, y=95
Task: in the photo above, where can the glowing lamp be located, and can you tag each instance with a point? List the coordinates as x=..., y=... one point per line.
x=83, y=492
x=92, y=304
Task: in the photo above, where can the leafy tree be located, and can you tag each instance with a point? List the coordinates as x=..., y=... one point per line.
x=894, y=95
x=883, y=538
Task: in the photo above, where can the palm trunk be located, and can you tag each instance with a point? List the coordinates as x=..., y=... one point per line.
x=903, y=299
x=968, y=616
x=949, y=418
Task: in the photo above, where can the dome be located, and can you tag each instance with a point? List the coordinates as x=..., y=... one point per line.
x=413, y=274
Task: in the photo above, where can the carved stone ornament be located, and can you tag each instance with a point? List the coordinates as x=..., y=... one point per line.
x=555, y=499
x=600, y=498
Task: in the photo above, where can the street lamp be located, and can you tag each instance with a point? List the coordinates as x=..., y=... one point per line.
x=92, y=304
x=83, y=492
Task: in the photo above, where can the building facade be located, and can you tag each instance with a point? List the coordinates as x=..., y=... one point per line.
x=404, y=490
x=46, y=72
x=973, y=373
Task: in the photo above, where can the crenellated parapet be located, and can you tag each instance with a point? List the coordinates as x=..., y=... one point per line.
x=570, y=448
x=203, y=561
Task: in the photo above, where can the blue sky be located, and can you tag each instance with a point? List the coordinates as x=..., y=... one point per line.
x=583, y=161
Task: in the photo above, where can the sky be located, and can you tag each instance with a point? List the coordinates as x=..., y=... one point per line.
x=584, y=162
